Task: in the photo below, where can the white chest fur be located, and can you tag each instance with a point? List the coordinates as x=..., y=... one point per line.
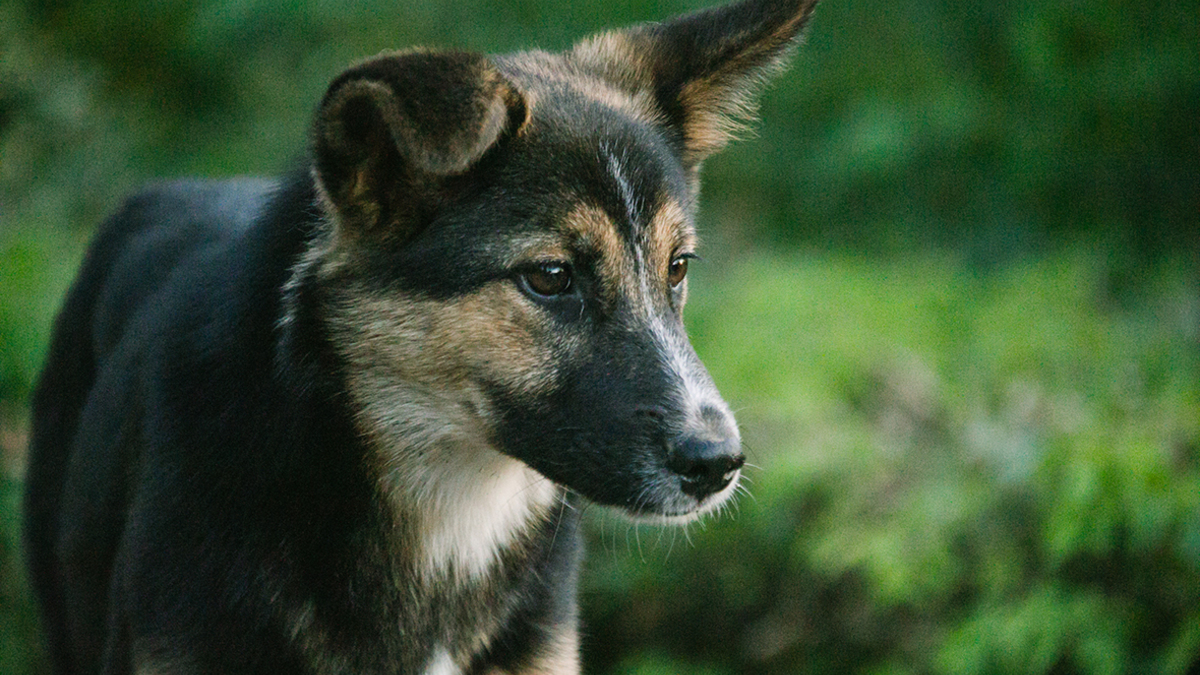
x=470, y=507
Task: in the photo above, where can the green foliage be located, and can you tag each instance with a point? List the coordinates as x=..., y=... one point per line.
x=980, y=126
x=959, y=474
x=20, y=652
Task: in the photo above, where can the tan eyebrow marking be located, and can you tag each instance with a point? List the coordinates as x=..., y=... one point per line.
x=590, y=228
x=670, y=233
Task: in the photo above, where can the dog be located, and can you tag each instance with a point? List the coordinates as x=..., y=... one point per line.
x=343, y=421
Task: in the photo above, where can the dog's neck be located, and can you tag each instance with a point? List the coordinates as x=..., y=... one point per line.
x=460, y=503
x=466, y=505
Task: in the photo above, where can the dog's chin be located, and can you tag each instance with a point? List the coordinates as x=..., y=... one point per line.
x=668, y=504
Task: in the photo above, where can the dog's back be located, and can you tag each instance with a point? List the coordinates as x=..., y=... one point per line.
x=127, y=265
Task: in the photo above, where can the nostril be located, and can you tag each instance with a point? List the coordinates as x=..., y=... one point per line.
x=705, y=467
x=698, y=469
x=736, y=462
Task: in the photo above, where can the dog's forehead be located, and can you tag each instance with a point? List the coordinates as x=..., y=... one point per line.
x=621, y=206
x=598, y=148
x=627, y=195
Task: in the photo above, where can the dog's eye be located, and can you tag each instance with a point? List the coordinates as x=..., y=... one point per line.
x=678, y=270
x=547, y=279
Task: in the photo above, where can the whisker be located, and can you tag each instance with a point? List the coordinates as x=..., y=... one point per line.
x=746, y=491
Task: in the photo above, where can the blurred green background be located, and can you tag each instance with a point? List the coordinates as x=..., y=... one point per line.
x=952, y=287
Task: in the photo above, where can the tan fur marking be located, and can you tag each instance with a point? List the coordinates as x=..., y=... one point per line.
x=619, y=59
x=616, y=57
x=717, y=115
x=590, y=228
x=418, y=370
x=717, y=111
x=485, y=337
x=531, y=100
x=671, y=233
x=635, y=101
x=720, y=104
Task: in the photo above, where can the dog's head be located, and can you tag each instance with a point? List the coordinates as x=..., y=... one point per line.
x=510, y=237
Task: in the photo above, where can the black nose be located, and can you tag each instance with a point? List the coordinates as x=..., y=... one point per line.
x=705, y=466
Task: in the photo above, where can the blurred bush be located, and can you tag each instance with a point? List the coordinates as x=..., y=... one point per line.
x=968, y=373
x=1000, y=127
x=959, y=474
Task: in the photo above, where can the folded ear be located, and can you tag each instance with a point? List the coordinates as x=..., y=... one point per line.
x=391, y=130
x=703, y=70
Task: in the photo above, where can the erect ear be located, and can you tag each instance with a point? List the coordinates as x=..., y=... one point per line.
x=703, y=70
x=391, y=130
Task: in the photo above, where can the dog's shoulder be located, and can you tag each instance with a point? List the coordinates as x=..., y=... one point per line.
x=162, y=232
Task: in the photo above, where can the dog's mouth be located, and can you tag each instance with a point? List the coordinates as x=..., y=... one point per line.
x=672, y=498
x=663, y=462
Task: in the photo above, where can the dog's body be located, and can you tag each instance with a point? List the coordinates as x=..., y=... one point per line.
x=337, y=424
